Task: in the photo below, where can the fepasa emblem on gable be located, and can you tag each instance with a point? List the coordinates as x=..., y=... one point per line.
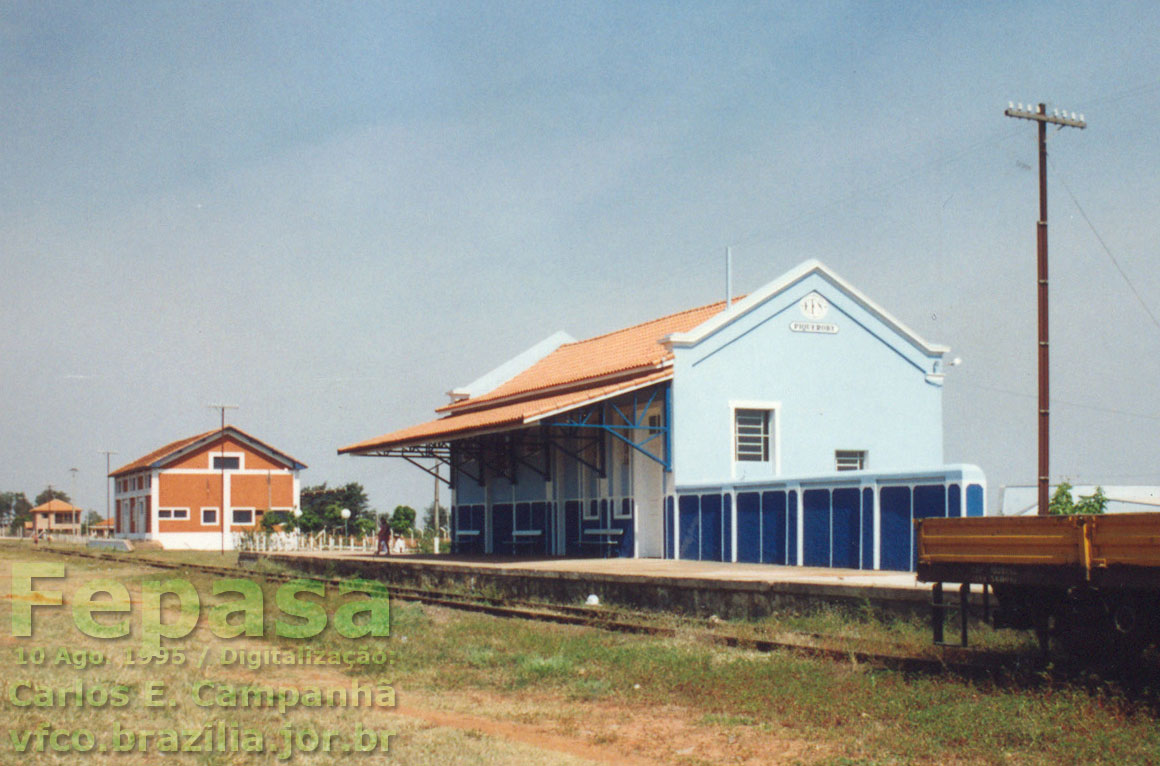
x=814, y=308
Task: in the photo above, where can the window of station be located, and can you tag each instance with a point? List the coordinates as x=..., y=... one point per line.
x=850, y=459
x=751, y=430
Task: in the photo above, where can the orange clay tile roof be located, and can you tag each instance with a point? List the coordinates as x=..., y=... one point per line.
x=633, y=348
x=503, y=416
x=157, y=454
x=573, y=374
x=162, y=453
x=55, y=504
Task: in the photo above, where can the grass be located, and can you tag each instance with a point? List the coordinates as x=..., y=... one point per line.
x=577, y=680
x=868, y=714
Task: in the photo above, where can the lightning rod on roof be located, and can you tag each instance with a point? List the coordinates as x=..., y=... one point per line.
x=728, y=279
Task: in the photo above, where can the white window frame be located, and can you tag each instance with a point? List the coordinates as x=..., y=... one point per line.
x=861, y=455
x=216, y=512
x=773, y=410
x=173, y=514
x=234, y=517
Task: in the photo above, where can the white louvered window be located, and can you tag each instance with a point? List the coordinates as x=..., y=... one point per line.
x=751, y=430
x=850, y=459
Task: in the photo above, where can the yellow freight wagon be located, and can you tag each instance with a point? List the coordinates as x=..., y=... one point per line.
x=1092, y=583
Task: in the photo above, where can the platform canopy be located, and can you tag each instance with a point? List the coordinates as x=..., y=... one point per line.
x=606, y=382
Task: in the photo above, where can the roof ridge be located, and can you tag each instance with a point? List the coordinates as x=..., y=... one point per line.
x=166, y=450
x=654, y=320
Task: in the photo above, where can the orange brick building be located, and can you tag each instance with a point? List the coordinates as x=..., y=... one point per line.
x=56, y=516
x=175, y=494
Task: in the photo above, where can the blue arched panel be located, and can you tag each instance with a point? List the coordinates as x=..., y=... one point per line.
x=670, y=525
x=867, y=528
x=749, y=527
x=572, y=511
x=954, y=501
x=689, y=509
x=846, y=519
x=773, y=539
x=727, y=528
x=816, y=527
x=974, y=500
x=711, y=547
x=502, y=519
x=894, y=507
x=791, y=527
x=539, y=522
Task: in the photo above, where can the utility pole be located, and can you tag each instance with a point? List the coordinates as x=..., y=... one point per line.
x=1041, y=116
x=436, y=509
x=222, y=466
x=108, y=518
x=77, y=513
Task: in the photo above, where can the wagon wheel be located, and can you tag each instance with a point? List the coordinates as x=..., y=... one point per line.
x=1081, y=626
x=1131, y=627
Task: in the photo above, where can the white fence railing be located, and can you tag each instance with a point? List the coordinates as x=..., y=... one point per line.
x=298, y=541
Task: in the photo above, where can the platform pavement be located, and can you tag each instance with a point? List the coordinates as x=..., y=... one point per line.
x=651, y=568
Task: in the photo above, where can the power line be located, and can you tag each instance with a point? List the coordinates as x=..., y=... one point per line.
x=1107, y=250
x=756, y=237
x=1063, y=402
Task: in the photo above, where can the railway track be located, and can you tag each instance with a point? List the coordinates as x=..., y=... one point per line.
x=957, y=660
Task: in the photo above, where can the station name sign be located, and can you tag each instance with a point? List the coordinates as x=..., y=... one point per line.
x=819, y=327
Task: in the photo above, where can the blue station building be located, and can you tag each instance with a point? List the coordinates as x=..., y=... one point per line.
x=801, y=425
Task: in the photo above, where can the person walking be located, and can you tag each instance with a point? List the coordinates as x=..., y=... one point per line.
x=384, y=542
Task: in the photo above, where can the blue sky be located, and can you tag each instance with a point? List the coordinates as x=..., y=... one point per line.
x=330, y=214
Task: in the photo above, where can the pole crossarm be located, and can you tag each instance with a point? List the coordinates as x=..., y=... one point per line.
x=1056, y=118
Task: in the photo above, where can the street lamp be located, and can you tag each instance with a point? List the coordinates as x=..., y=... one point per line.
x=345, y=514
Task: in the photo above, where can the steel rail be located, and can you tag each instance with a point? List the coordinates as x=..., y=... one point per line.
x=957, y=660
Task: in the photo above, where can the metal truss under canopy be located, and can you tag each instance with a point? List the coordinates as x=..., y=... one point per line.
x=625, y=418
x=440, y=452
x=577, y=434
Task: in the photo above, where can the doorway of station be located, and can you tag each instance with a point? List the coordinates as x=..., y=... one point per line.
x=648, y=498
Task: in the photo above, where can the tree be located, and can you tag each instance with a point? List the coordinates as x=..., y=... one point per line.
x=429, y=517
x=274, y=518
x=92, y=517
x=14, y=510
x=1062, y=503
x=322, y=508
x=48, y=493
x=1095, y=503
x=402, y=519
